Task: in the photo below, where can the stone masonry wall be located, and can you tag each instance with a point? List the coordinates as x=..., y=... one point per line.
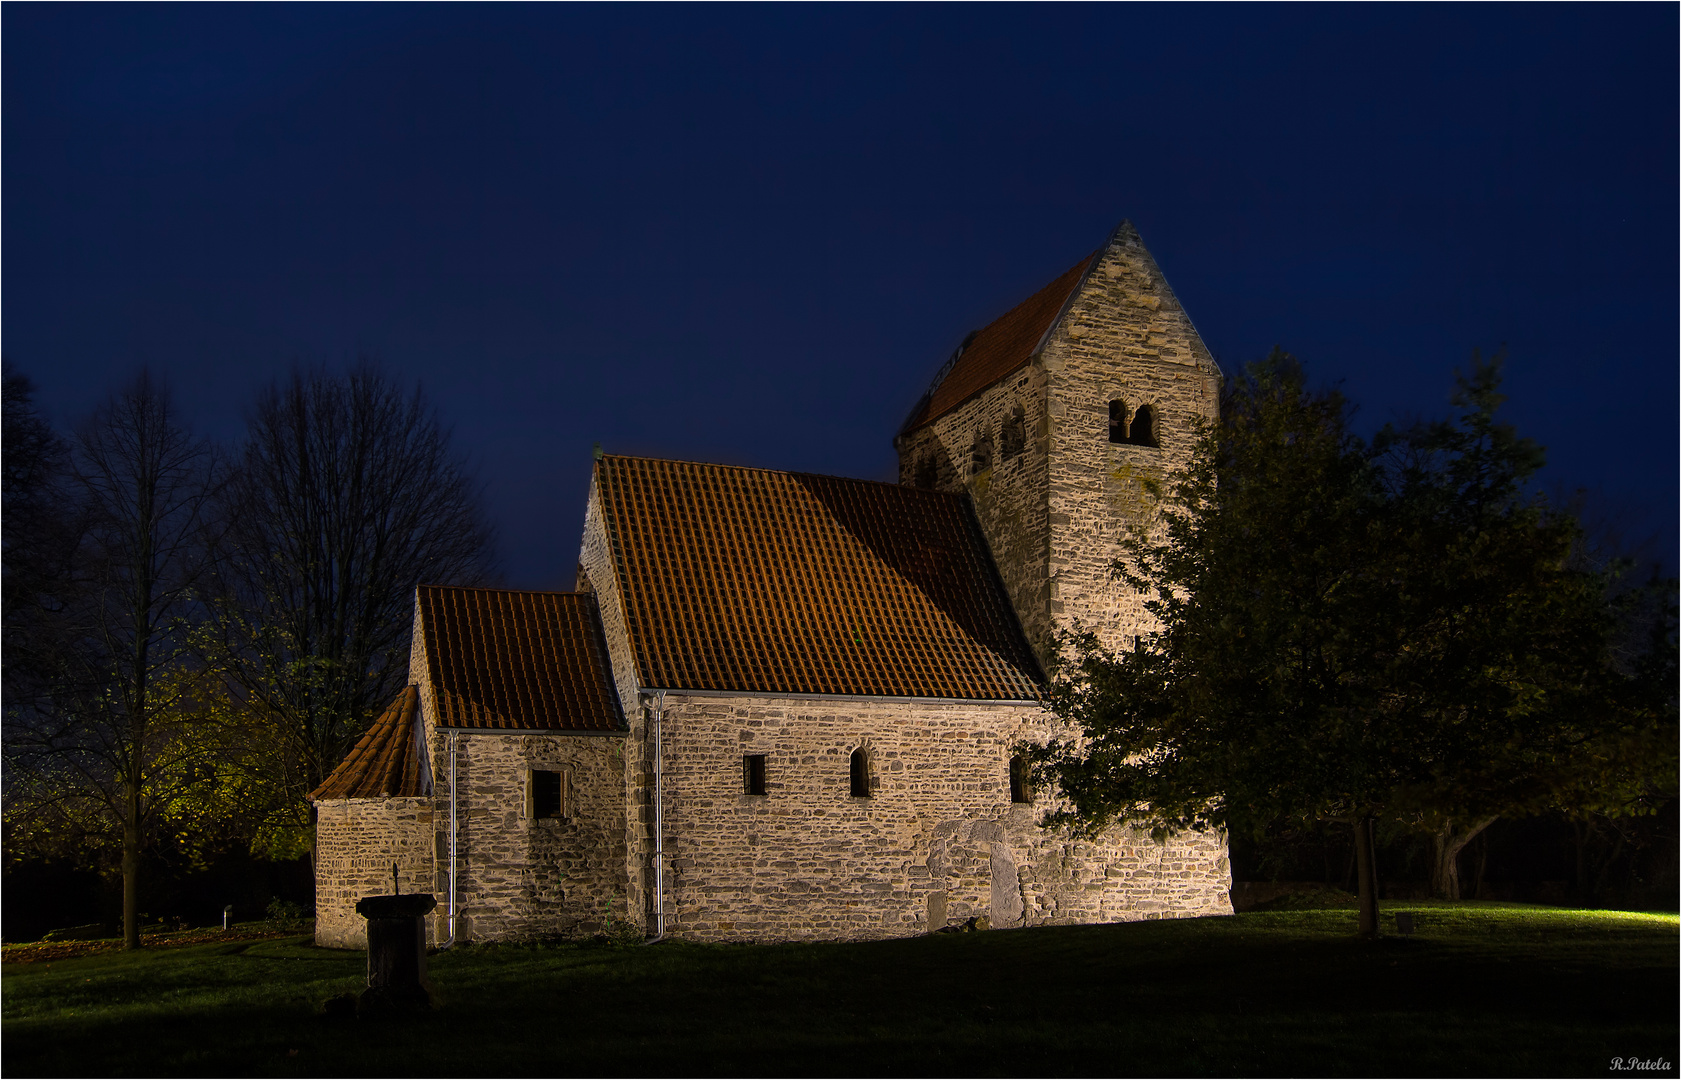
x=1009, y=494
x=519, y=877
x=356, y=843
x=1124, y=337
x=937, y=842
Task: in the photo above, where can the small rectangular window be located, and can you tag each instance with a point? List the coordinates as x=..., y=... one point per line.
x=1021, y=780
x=548, y=794
x=753, y=773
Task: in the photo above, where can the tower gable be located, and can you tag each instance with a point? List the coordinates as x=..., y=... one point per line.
x=1124, y=351
x=1033, y=449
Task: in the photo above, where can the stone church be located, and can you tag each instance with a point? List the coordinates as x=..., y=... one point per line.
x=782, y=706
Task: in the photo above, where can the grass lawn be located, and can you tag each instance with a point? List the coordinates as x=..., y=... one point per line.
x=1479, y=989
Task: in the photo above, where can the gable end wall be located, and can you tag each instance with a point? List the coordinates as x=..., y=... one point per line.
x=598, y=572
x=1124, y=337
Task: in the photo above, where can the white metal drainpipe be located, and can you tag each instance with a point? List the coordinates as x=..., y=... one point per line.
x=452, y=744
x=659, y=824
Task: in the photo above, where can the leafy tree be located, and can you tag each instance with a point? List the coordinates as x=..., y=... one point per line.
x=346, y=498
x=1512, y=636
x=1346, y=632
x=102, y=742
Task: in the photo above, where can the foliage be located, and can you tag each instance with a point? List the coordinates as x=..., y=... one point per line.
x=1350, y=631
x=1516, y=637
x=286, y=915
x=1316, y=900
x=1260, y=582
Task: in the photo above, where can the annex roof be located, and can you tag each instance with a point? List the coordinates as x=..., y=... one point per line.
x=517, y=661
x=386, y=762
x=752, y=580
x=999, y=348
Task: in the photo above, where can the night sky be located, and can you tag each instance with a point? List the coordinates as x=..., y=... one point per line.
x=752, y=234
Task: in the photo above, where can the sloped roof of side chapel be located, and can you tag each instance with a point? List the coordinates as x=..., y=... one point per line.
x=386, y=761
x=752, y=580
x=1011, y=341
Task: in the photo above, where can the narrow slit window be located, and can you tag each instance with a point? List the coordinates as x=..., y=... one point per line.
x=860, y=774
x=1117, y=421
x=1021, y=780
x=753, y=773
x=548, y=794
x=1144, y=427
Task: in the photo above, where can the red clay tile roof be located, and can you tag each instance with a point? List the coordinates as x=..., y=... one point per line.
x=518, y=661
x=752, y=580
x=386, y=761
x=1002, y=347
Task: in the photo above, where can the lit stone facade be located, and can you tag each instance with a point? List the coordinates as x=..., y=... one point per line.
x=937, y=840
x=357, y=842
x=517, y=875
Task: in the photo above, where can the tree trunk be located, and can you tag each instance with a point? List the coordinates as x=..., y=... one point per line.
x=131, y=867
x=1444, y=865
x=1605, y=867
x=1365, y=855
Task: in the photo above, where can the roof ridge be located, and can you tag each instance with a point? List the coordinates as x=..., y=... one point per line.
x=998, y=348
x=968, y=339
x=788, y=472
x=504, y=589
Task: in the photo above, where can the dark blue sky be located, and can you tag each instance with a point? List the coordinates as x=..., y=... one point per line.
x=751, y=234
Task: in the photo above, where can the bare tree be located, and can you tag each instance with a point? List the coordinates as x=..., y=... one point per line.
x=347, y=497
x=38, y=537
x=110, y=637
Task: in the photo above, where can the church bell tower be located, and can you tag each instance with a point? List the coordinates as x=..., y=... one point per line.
x=1061, y=419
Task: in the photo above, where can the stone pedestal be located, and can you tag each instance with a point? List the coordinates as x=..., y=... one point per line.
x=396, y=950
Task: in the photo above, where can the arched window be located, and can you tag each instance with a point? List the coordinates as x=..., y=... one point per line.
x=980, y=455
x=928, y=473
x=1144, y=427
x=1021, y=780
x=1118, y=421
x=860, y=774
x=1015, y=433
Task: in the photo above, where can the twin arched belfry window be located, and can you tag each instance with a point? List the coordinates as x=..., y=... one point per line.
x=1137, y=430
